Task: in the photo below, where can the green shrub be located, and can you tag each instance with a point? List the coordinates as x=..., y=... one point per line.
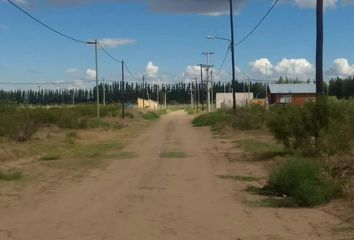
x=50, y=157
x=190, y=110
x=212, y=119
x=245, y=118
x=118, y=125
x=72, y=120
x=338, y=137
x=18, y=125
x=87, y=110
x=261, y=150
x=111, y=110
x=129, y=115
x=161, y=112
x=10, y=175
x=151, y=116
x=248, y=118
x=323, y=128
x=305, y=181
x=71, y=136
x=173, y=155
x=94, y=123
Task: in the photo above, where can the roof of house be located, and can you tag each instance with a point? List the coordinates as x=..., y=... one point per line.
x=293, y=88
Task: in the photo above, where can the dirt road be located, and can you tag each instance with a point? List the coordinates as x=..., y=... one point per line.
x=150, y=197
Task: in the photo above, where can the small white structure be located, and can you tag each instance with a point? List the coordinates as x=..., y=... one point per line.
x=225, y=100
x=147, y=104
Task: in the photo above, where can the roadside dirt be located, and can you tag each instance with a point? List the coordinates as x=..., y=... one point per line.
x=150, y=197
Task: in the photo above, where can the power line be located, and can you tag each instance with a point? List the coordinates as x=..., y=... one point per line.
x=130, y=72
x=46, y=25
x=108, y=54
x=223, y=62
x=257, y=25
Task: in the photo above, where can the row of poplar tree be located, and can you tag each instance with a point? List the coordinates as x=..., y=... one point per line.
x=175, y=93
x=129, y=93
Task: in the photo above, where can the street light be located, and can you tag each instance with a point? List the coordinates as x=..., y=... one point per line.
x=220, y=38
x=97, y=90
x=231, y=45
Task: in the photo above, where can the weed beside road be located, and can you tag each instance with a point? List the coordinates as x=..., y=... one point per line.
x=304, y=180
x=20, y=123
x=313, y=162
x=10, y=175
x=153, y=115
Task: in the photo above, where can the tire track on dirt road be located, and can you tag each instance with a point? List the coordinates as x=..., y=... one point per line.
x=151, y=197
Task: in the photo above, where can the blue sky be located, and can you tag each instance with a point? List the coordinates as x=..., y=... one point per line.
x=166, y=38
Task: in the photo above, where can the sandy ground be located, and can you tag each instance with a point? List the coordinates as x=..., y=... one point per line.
x=149, y=197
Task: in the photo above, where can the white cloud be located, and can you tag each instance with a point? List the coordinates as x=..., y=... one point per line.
x=262, y=66
x=151, y=69
x=115, y=42
x=341, y=68
x=312, y=3
x=295, y=67
x=203, y=7
x=18, y=2
x=21, y=2
x=90, y=74
x=192, y=71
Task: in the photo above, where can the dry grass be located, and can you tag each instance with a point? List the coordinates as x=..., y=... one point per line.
x=55, y=155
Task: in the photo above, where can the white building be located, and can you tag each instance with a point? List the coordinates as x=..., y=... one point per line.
x=225, y=100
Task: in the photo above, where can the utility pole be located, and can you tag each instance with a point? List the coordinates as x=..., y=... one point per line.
x=233, y=57
x=196, y=94
x=212, y=91
x=165, y=96
x=123, y=91
x=158, y=94
x=249, y=90
x=208, y=80
x=319, y=49
x=266, y=92
x=191, y=90
x=73, y=91
x=104, y=92
x=39, y=95
x=144, y=92
x=97, y=88
x=201, y=82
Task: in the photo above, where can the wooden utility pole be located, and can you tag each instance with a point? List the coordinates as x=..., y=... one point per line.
x=319, y=49
x=104, y=92
x=201, y=82
x=97, y=87
x=123, y=91
x=232, y=45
